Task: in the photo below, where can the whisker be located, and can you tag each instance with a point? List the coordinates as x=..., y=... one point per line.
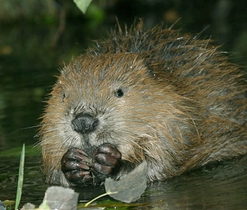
x=26, y=128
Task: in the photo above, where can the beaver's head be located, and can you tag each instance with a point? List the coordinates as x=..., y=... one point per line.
x=111, y=98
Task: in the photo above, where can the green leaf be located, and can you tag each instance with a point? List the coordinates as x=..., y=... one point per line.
x=131, y=187
x=44, y=206
x=20, y=178
x=82, y=4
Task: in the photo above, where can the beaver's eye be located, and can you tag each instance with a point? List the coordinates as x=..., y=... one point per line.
x=119, y=93
x=63, y=97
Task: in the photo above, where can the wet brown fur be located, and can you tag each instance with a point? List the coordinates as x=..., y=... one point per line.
x=184, y=104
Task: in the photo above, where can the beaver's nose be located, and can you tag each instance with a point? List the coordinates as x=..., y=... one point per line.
x=84, y=123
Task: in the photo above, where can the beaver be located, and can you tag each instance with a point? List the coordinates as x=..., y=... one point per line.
x=170, y=99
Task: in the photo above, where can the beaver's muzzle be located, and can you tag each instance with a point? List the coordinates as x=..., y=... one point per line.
x=84, y=123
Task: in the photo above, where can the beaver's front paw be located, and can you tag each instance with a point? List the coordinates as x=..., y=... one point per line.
x=75, y=166
x=106, y=161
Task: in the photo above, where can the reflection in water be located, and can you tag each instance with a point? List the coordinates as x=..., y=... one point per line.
x=213, y=187
x=33, y=187
x=218, y=186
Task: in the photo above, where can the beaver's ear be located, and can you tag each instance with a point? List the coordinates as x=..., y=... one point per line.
x=63, y=96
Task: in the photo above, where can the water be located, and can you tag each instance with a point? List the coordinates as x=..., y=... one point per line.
x=27, y=69
x=218, y=186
